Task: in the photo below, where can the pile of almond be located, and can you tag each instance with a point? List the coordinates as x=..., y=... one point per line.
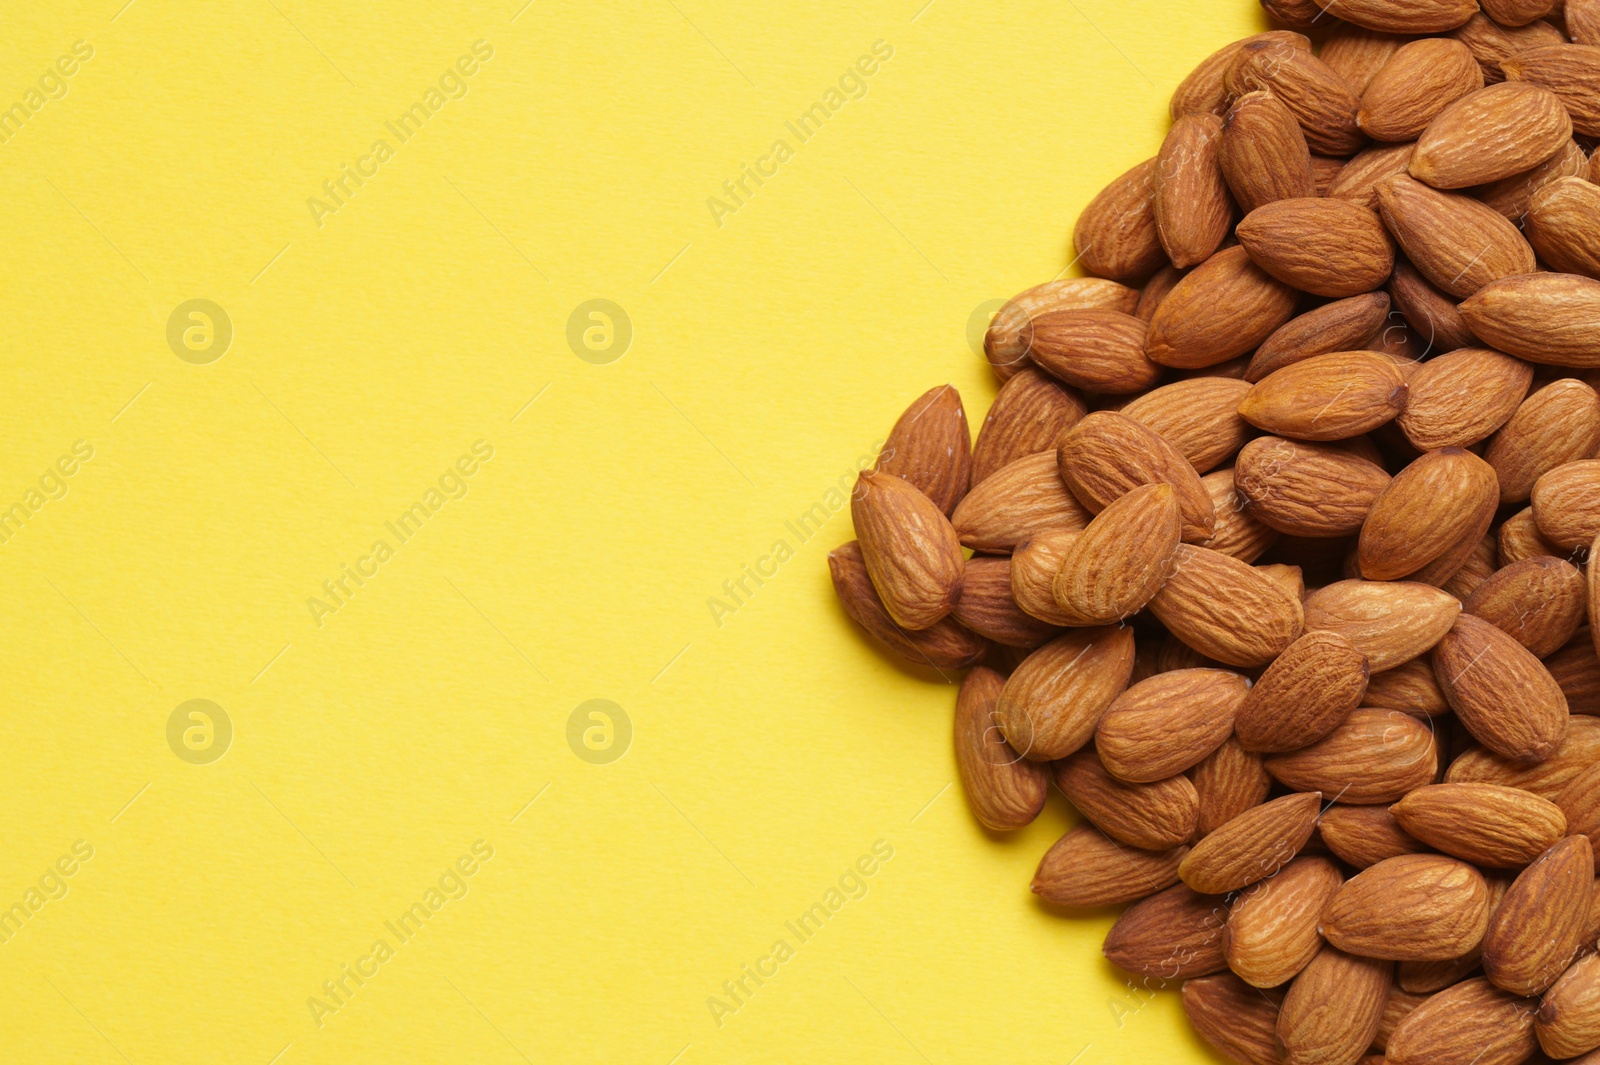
x=1278, y=528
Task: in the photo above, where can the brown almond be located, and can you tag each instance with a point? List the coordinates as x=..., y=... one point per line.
x=1413, y=907
x=1406, y=16
x=1152, y=816
x=1557, y=424
x=1306, y=693
x=1319, y=98
x=1579, y=749
x=1096, y=350
x=1534, y=932
x=1571, y=72
x=911, y=552
x=1006, y=342
x=1052, y=702
x=1564, y=225
x=1500, y=691
x=1429, y=507
x=1411, y=687
x=1192, y=205
x=1583, y=20
x=1420, y=80
x=1226, y=609
x=1085, y=868
x=1328, y=247
x=1367, y=169
x=1034, y=565
x=1203, y=92
x=1221, y=309
x=1511, y=196
x=1473, y=1021
x=1576, y=670
x=1462, y=397
x=1427, y=977
x=1357, y=54
x=1253, y=846
x=1114, y=567
x=1580, y=802
x=1030, y=414
x=1015, y=503
x=1173, y=934
x=1338, y=326
x=1168, y=723
x=1116, y=234
x=1434, y=315
x=1363, y=836
x=988, y=608
x=1373, y=756
x=1238, y=532
x=1539, y=602
x=1229, y=781
x=1517, y=12
x=1333, y=1008
x=1396, y=1007
x=930, y=447
x=1264, y=156
x=1520, y=538
x=1327, y=397
x=1493, y=43
x=1552, y=319
x=1005, y=791
x=1108, y=454
x=1156, y=289
x=1457, y=243
x=1489, y=825
x=1271, y=930
x=1307, y=489
x=1493, y=133
x=1199, y=417
x=945, y=645
x=1479, y=567
x=1391, y=622
x=1566, y=503
x=1568, y=1021
x=1235, y=1018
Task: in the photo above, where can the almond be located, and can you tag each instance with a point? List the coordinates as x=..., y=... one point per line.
x=1084, y=868
x=1571, y=72
x=1319, y=99
x=1238, y=532
x=1192, y=205
x=930, y=447
x=1116, y=234
x=1428, y=508
x=1306, y=489
x=1566, y=503
x=988, y=608
x=1564, y=225
x=1029, y=415
x=1499, y=691
x=1583, y=21
x=1493, y=133
x=1097, y=350
x=1363, y=836
x=1419, y=81
x=1579, y=749
x=1405, y=16
x=1121, y=560
x=1264, y=156
x=1051, y=704
x=1338, y=326
x=1493, y=43
x=1580, y=802
x=1568, y=1021
x=1535, y=930
x=1006, y=343
x=1539, y=602
x=1203, y=92
x=1235, y=1018
x=1462, y=397
x=1520, y=539
x=1152, y=816
x=1228, y=781
x=1016, y=503
x=1107, y=455
x=1328, y=247
x=1225, y=609
x=1359, y=179
x=1253, y=846
x=1164, y=725
x=1517, y=12
x=1223, y=308
x=945, y=645
x=1426, y=977
x=1486, y=824
x=1431, y=313
x=1389, y=622
x=1456, y=242
x=1333, y=1008
x=1034, y=565
x=1327, y=397
x=1306, y=693
x=1479, y=567
x=1411, y=687
x=1357, y=54
x=910, y=550
x=1576, y=670
x=1199, y=417
x=1511, y=196
x=1271, y=931
x=1557, y=424
x=1416, y=907
x=1396, y=1008
x=1544, y=318
x=1373, y=756
x=1473, y=1021
x=1005, y=791
x=1174, y=934
x=1155, y=290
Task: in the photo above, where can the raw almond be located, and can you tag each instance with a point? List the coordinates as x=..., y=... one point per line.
x=1338, y=326
x=1564, y=225
x=988, y=608
x=1327, y=397
x=1253, y=846
x=1228, y=781
x=1583, y=21
x=1517, y=12
x=1571, y=72
x=1416, y=907
x=1328, y=247
x=1116, y=234
x=1307, y=489
x=1005, y=791
x=1271, y=931
x=1553, y=319
x=1493, y=133
x=1221, y=309
x=1539, y=602
x=1014, y=504
x=1427, y=977
x=1164, y=725
x=1238, y=532
x=1535, y=930
x=1473, y=1021
x=1557, y=424
x=1199, y=417
x=1006, y=342
x=1396, y=1007
x=1520, y=538
x=1405, y=16
x=1235, y=1018
x=1155, y=290
x=1051, y=704
x=1433, y=315
x=1192, y=205
x=1107, y=455
x=1203, y=92
x=1487, y=824
x=1568, y=1021
x=945, y=645
x=1034, y=565
x=1391, y=622
x=1427, y=509
x=1359, y=179
x=1511, y=196
x=1363, y=836
x=1226, y=609
x=1319, y=99
x=1499, y=691
x=1097, y=350
x=1411, y=687
x=1493, y=43
x=930, y=447
x=911, y=552
x=1566, y=503
x=1030, y=414
x=1306, y=693
x=1174, y=934
x=1357, y=54
x=1085, y=868
x=1333, y=1008
x=1420, y=80
x=1121, y=560
x=1373, y=756
x=1457, y=243
x=1151, y=816
x=1462, y=397
x=1264, y=156
x=1578, y=750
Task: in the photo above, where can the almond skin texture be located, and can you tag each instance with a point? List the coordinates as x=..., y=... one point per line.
x=1199, y=417
x=1085, y=868
x=1566, y=503
x=1363, y=836
x=1235, y=1018
x=1579, y=749
x=1107, y=455
x=1264, y=155
x=1583, y=21
x=1571, y=72
x=1374, y=756
x=1223, y=308
x=1203, y=92
x=946, y=645
x=930, y=447
x=1553, y=319
x=1271, y=932
x=1461, y=398
x=1491, y=134
x=1434, y=315
x=1253, y=846
x=1116, y=234
x=1414, y=907
x=988, y=608
x=1539, y=602
x=1192, y=205
x=1328, y=247
x=1306, y=693
x=1164, y=725
x=911, y=552
x=1051, y=704
x=1121, y=560
x=1016, y=503
x=1228, y=781
x=1557, y=424
x=1411, y=687
x=1226, y=609
x=1535, y=931
x=1493, y=43
x=1333, y=1008
x=1319, y=99
x=1356, y=54
x=1417, y=82
x=1564, y=225
x=1489, y=825
x=1097, y=350
x=1580, y=802
x=1005, y=345
x=1153, y=816
x=1429, y=507
x=1339, y=326
x=1568, y=1021
x=1307, y=489
x=1005, y=791
x=1393, y=16
x=1457, y=243
x=1174, y=934
x=1576, y=668
x=1520, y=538
x=1034, y=565
x=1029, y=415
x=1327, y=397
x=1389, y=622
x=1512, y=196
x=1360, y=177
x=1472, y=1021
x=1499, y=691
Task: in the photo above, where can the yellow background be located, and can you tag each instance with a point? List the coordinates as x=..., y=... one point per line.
x=768, y=354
